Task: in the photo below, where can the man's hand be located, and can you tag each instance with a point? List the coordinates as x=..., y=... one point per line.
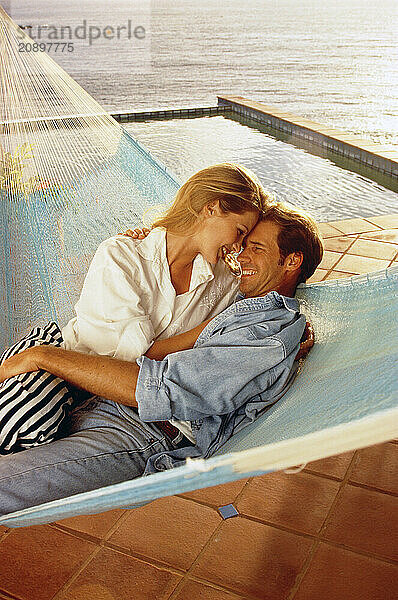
x=137, y=233
x=307, y=341
x=25, y=362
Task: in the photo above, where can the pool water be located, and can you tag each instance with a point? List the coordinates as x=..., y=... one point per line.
x=293, y=174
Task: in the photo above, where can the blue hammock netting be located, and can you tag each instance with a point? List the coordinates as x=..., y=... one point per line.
x=70, y=177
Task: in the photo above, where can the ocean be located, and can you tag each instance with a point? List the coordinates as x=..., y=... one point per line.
x=333, y=61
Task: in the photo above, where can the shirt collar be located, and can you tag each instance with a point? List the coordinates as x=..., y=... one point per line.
x=153, y=248
x=201, y=272
x=243, y=305
x=274, y=297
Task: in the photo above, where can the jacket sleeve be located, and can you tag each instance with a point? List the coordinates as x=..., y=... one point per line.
x=207, y=380
x=111, y=319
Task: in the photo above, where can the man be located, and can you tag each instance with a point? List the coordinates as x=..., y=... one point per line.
x=238, y=364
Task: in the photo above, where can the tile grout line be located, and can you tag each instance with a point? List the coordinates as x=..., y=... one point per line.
x=364, y=553
x=150, y=561
x=181, y=584
x=333, y=268
x=379, y=228
x=359, y=484
x=372, y=488
x=102, y=541
x=4, y=595
x=354, y=239
x=346, y=251
x=153, y=562
x=91, y=556
x=368, y=219
x=356, y=551
x=164, y=566
x=318, y=537
x=358, y=237
x=76, y=574
x=87, y=536
x=323, y=475
x=79, y=535
x=337, y=261
x=377, y=242
x=324, y=278
x=393, y=260
x=209, y=504
x=7, y=533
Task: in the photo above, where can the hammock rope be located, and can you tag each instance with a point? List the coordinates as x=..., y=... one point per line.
x=70, y=177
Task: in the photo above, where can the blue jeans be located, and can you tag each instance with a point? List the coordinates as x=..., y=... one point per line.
x=101, y=447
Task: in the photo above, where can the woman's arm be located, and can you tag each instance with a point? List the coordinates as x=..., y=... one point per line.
x=184, y=341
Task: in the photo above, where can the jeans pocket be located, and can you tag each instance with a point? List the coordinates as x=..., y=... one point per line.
x=133, y=422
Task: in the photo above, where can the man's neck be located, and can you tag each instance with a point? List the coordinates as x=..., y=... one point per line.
x=285, y=289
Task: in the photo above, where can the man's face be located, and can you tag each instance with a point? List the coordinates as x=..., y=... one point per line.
x=260, y=261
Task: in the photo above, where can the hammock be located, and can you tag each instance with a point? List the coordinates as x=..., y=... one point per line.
x=73, y=188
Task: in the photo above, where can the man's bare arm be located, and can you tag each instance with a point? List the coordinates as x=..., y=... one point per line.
x=100, y=375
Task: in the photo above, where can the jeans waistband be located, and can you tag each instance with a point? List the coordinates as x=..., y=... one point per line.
x=176, y=437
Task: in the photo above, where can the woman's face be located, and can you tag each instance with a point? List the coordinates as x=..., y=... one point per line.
x=220, y=229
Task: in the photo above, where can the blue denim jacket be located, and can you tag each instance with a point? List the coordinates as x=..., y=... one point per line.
x=242, y=362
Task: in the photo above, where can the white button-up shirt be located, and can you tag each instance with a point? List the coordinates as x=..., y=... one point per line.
x=128, y=300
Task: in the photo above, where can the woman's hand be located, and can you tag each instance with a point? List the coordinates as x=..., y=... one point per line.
x=24, y=362
x=137, y=233
x=307, y=343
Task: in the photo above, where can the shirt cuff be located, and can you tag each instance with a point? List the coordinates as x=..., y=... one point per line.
x=151, y=394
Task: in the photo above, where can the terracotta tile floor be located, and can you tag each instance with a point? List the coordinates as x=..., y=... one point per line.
x=328, y=532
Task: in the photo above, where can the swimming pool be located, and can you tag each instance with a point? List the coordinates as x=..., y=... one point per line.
x=327, y=190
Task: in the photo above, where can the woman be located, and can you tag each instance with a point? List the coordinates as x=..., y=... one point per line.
x=138, y=291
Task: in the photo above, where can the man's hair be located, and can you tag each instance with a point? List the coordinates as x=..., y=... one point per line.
x=298, y=233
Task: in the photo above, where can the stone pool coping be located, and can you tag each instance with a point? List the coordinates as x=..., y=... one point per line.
x=379, y=157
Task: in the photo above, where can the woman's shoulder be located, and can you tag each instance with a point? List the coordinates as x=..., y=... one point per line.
x=117, y=245
x=125, y=245
x=117, y=252
x=130, y=255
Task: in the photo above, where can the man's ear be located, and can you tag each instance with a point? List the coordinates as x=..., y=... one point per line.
x=293, y=261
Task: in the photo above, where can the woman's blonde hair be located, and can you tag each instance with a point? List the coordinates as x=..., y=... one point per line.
x=236, y=189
